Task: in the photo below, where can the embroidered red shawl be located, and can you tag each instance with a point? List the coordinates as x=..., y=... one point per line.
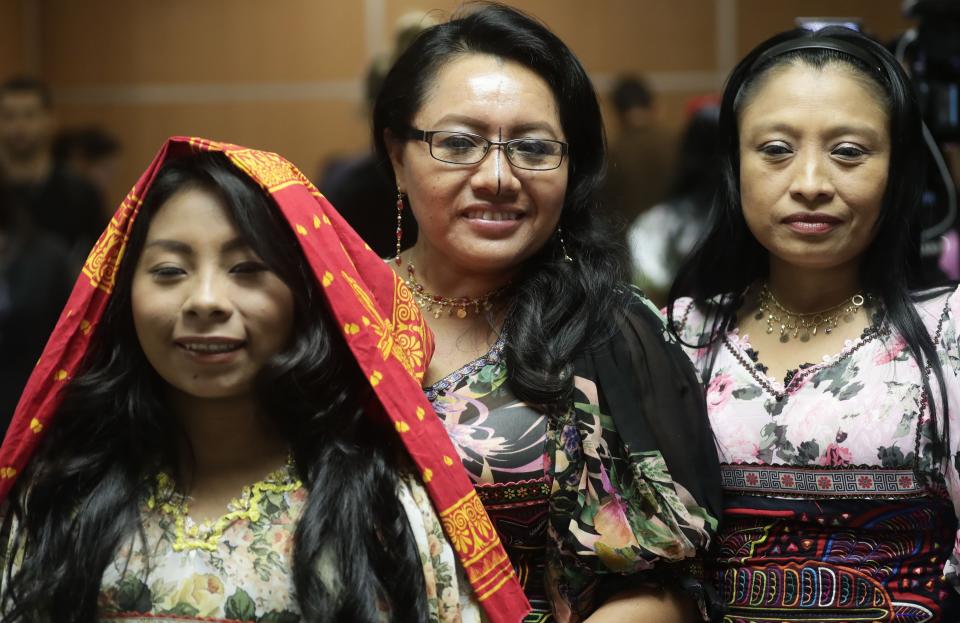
x=376, y=315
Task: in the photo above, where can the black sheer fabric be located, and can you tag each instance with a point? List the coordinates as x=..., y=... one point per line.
x=651, y=470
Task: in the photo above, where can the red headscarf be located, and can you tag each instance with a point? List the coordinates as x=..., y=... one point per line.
x=375, y=313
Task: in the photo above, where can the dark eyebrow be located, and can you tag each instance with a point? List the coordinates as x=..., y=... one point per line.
x=863, y=130
x=775, y=127
x=479, y=127
x=464, y=119
x=176, y=246
x=839, y=130
x=237, y=244
x=533, y=126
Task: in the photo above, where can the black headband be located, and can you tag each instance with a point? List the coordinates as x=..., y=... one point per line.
x=808, y=43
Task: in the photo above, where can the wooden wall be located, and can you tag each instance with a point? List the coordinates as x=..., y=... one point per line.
x=286, y=75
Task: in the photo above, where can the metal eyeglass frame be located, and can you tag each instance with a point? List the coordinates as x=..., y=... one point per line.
x=427, y=137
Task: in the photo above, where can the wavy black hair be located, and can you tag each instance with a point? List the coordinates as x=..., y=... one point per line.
x=79, y=500
x=729, y=259
x=555, y=304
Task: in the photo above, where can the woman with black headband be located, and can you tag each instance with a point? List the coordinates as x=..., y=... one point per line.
x=831, y=386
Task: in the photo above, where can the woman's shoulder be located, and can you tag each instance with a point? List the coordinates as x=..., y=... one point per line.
x=642, y=313
x=633, y=298
x=938, y=305
x=690, y=320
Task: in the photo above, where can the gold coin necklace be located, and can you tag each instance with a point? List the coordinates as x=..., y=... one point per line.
x=792, y=324
x=459, y=306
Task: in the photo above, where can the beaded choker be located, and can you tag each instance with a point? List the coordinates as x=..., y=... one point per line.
x=804, y=326
x=454, y=306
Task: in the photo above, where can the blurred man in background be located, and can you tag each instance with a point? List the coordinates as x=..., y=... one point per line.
x=35, y=280
x=641, y=158
x=93, y=154
x=358, y=186
x=55, y=199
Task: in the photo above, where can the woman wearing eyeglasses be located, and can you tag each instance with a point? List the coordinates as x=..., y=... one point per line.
x=580, y=424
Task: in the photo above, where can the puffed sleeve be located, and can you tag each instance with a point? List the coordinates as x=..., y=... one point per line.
x=948, y=346
x=635, y=475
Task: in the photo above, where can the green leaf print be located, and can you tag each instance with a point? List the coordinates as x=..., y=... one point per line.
x=774, y=407
x=272, y=502
x=773, y=437
x=836, y=376
x=488, y=379
x=276, y=616
x=892, y=457
x=850, y=391
x=747, y=393
x=239, y=606
x=134, y=596
x=586, y=407
x=809, y=452
x=905, y=425
x=182, y=609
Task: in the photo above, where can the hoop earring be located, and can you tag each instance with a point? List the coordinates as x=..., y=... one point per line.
x=400, y=196
x=563, y=245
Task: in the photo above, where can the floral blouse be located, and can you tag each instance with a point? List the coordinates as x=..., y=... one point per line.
x=582, y=511
x=238, y=568
x=834, y=501
x=501, y=442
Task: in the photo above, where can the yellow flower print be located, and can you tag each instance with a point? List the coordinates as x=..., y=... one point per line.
x=204, y=592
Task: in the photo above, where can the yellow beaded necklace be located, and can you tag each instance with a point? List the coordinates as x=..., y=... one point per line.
x=207, y=534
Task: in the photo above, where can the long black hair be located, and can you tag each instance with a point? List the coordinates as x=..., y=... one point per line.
x=79, y=500
x=555, y=304
x=729, y=258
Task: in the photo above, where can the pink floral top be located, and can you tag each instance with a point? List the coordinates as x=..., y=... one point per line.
x=834, y=504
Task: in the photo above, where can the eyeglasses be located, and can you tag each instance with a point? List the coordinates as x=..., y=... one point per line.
x=535, y=154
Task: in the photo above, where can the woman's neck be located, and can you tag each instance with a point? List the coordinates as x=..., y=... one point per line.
x=227, y=436
x=442, y=277
x=805, y=290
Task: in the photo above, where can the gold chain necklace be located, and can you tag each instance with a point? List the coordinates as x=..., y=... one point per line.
x=804, y=326
x=459, y=306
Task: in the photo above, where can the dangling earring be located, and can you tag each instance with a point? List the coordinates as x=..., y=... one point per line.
x=563, y=245
x=399, y=223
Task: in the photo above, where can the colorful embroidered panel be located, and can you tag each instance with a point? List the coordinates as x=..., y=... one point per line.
x=846, y=560
x=836, y=509
x=784, y=480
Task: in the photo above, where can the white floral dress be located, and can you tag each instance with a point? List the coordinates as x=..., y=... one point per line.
x=835, y=508
x=239, y=567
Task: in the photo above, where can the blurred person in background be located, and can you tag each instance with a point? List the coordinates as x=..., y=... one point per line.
x=57, y=200
x=91, y=153
x=34, y=284
x=360, y=187
x=661, y=238
x=641, y=157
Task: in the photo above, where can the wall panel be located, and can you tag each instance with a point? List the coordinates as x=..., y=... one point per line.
x=303, y=132
x=12, y=41
x=287, y=74
x=610, y=36
x=758, y=19
x=119, y=42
